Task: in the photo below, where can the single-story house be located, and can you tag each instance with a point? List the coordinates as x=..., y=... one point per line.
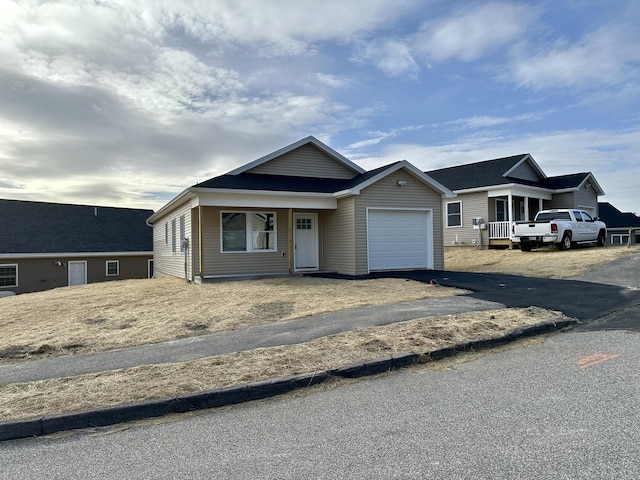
x=622, y=227
x=492, y=194
x=303, y=208
x=47, y=245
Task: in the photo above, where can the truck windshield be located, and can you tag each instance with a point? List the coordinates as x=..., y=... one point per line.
x=547, y=216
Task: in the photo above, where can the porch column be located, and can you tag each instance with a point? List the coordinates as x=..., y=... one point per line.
x=510, y=206
x=540, y=204
x=526, y=208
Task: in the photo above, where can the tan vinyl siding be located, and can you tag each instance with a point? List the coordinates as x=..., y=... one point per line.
x=473, y=205
x=217, y=263
x=166, y=262
x=525, y=172
x=305, y=161
x=39, y=274
x=387, y=194
x=560, y=200
x=338, y=236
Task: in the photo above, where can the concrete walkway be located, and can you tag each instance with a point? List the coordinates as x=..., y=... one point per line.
x=271, y=335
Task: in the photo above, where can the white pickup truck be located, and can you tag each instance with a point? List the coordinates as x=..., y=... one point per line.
x=561, y=227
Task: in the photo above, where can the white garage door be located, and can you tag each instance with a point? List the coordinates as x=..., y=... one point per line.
x=400, y=239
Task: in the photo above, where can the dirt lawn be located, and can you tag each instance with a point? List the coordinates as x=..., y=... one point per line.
x=116, y=314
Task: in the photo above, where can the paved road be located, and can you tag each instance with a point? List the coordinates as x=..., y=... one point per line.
x=568, y=408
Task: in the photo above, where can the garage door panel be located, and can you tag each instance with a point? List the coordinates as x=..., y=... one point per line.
x=399, y=239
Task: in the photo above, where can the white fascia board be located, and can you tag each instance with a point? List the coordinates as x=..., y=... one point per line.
x=310, y=139
x=263, y=199
x=594, y=183
x=527, y=158
x=174, y=202
x=73, y=255
x=415, y=172
x=513, y=189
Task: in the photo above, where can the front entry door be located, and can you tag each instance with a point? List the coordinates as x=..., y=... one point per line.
x=305, y=241
x=77, y=273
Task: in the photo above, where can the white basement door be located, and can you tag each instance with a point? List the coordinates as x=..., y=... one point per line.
x=400, y=239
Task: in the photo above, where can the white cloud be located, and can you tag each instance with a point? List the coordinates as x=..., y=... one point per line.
x=391, y=56
x=608, y=56
x=471, y=32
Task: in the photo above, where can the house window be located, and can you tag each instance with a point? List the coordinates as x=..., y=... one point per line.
x=173, y=236
x=166, y=233
x=454, y=214
x=501, y=210
x=619, y=239
x=113, y=268
x=181, y=233
x=9, y=275
x=248, y=231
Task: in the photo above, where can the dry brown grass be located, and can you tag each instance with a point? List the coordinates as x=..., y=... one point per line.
x=112, y=315
x=548, y=262
x=166, y=381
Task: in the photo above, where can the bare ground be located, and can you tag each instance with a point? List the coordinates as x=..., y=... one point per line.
x=548, y=262
x=115, y=314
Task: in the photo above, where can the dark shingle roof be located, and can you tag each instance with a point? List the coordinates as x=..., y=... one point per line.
x=614, y=218
x=478, y=174
x=39, y=227
x=285, y=183
x=491, y=172
x=565, y=181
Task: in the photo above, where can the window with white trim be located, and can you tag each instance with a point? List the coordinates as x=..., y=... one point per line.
x=173, y=236
x=454, y=214
x=181, y=233
x=248, y=231
x=113, y=268
x=9, y=275
x=619, y=238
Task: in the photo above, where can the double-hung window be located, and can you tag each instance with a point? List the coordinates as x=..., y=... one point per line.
x=9, y=275
x=173, y=236
x=454, y=214
x=248, y=231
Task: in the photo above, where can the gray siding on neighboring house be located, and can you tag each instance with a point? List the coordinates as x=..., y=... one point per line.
x=305, y=161
x=525, y=172
x=387, y=194
x=44, y=273
x=473, y=205
x=338, y=236
x=217, y=263
x=166, y=261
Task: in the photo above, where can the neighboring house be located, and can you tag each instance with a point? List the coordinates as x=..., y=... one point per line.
x=303, y=208
x=492, y=194
x=620, y=226
x=48, y=245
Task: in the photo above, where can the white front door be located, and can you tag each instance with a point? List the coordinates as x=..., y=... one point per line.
x=305, y=241
x=77, y=273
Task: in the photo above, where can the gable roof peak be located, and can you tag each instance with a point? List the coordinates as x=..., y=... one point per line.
x=327, y=150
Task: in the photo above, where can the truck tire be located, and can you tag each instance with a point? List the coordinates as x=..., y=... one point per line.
x=565, y=244
x=601, y=239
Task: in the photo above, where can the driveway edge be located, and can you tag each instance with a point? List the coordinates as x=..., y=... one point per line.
x=100, y=417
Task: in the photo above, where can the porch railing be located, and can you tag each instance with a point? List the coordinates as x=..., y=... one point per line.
x=499, y=230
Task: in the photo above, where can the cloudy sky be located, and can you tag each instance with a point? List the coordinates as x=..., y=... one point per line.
x=126, y=103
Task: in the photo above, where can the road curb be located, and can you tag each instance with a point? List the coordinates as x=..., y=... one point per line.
x=100, y=417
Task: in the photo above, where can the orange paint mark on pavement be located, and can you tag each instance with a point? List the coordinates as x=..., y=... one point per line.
x=595, y=359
